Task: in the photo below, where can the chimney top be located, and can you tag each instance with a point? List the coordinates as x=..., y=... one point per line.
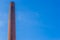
x=12, y=3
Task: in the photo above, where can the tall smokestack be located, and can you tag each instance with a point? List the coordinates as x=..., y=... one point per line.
x=11, y=23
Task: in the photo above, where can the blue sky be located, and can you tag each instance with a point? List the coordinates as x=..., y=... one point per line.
x=35, y=19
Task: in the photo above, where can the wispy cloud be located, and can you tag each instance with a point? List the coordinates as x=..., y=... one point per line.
x=3, y=25
x=30, y=23
x=3, y=19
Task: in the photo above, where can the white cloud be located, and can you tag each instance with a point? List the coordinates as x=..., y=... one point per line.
x=3, y=19
x=3, y=25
